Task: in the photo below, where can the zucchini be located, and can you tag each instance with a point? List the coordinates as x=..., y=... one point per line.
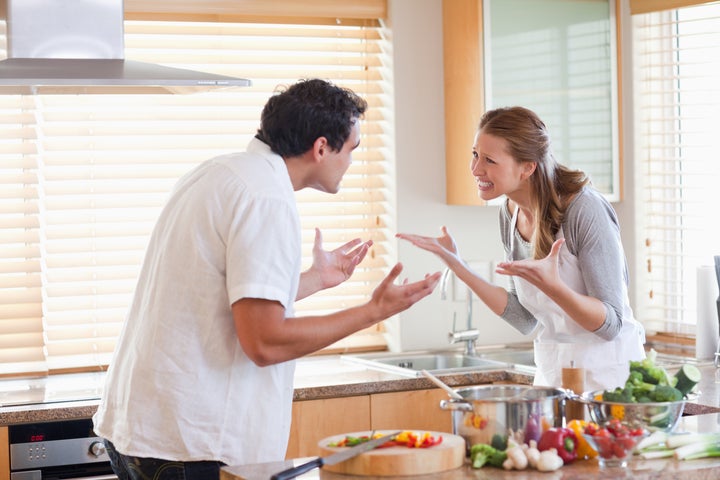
x=687, y=377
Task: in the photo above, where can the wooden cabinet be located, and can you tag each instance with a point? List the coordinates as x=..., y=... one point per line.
x=4, y=454
x=412, y=410
x=464, y=99
x=313, y=420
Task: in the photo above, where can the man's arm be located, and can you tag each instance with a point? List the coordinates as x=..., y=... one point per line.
x=268, y=337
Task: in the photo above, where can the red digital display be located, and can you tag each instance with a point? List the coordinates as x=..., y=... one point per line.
x=38, y=437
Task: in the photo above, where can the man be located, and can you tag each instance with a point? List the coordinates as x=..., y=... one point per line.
x=203, y=372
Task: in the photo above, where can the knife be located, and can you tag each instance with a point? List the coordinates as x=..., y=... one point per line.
x=334, y=458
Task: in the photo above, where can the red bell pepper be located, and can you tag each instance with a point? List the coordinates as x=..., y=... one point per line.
x=561, y=439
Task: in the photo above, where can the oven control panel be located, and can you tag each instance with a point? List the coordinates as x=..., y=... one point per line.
x=51, y=444
x=57, y=452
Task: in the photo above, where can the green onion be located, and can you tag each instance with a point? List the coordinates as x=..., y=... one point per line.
x=656, y=438
x=651, y=454
x=675, y=441
x=698, y=450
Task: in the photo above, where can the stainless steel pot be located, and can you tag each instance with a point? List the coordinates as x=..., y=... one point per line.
x=519, y=411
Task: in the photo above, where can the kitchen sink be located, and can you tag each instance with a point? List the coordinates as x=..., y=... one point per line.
x=523, y=358
x=442, y=362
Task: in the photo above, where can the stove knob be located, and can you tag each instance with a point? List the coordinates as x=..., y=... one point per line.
x=97, y=449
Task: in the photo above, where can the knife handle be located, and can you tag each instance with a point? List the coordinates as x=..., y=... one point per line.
x=299, y=470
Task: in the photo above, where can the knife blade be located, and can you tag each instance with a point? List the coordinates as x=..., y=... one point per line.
x=334, y=458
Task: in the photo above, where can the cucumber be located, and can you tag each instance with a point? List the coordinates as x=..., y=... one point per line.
x=687, y=377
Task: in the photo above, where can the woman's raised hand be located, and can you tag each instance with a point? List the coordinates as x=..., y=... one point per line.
x=543, y=273
x=443, y=246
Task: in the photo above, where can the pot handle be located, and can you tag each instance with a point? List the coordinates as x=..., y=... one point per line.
x=454, y=404
x=571, y=395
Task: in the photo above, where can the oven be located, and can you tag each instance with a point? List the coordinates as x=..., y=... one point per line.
x=65, y=449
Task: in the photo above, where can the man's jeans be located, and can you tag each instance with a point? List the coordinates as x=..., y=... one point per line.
x=137, y=468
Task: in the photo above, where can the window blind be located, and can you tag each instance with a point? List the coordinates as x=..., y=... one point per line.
x=84, y=177
x=677, y=54
x=21, y=341
x=557, y=63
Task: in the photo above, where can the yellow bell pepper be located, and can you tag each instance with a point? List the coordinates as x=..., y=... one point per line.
x=584, y=450
x=617, y=411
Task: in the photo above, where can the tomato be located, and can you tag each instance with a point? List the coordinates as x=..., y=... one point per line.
x=605, y=447
x=618, y=450
x=591, y=428
x=603, y=433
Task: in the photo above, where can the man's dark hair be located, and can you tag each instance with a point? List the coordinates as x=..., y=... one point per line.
x=293, y=119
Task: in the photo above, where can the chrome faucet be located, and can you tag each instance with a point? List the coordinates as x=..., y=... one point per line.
x=470, y=334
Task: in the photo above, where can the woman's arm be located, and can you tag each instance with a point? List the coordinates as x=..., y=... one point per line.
x=592, y=235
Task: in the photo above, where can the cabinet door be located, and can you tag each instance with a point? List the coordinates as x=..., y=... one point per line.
x=313, y=420
x=411, y=410
x=4, y=454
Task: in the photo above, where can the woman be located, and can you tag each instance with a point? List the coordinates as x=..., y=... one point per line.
x=563, y=251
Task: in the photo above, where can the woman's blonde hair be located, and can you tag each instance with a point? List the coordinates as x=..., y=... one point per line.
x=553, y=185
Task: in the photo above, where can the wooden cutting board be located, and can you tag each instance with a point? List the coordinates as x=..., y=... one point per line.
x=398, y=460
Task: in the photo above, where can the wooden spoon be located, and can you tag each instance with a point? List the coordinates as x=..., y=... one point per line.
x=443, y=385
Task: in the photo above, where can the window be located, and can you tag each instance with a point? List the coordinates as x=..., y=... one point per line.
x=677, y=57
x=82, y=178
x=559, y=61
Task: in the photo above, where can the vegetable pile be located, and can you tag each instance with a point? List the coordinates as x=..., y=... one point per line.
x=405, y=438
x=556, y=447
x=649, y=382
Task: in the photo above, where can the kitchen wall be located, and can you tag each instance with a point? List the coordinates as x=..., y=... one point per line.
x=416, y=27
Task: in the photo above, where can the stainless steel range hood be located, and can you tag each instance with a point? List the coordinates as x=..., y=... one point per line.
x=77, y=47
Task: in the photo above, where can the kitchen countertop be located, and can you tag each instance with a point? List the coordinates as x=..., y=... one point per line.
x=659, y=469
x=701, y=469
x=702, y=415
x=68, y=396
x=72, y=396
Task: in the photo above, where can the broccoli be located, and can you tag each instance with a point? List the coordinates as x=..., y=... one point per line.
x=650, y=372
x=638, y=385
x=619, y=395
x=648, y=382
x=635, y=377
x=499, y=442
x=665, y=393
x=482, y=453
